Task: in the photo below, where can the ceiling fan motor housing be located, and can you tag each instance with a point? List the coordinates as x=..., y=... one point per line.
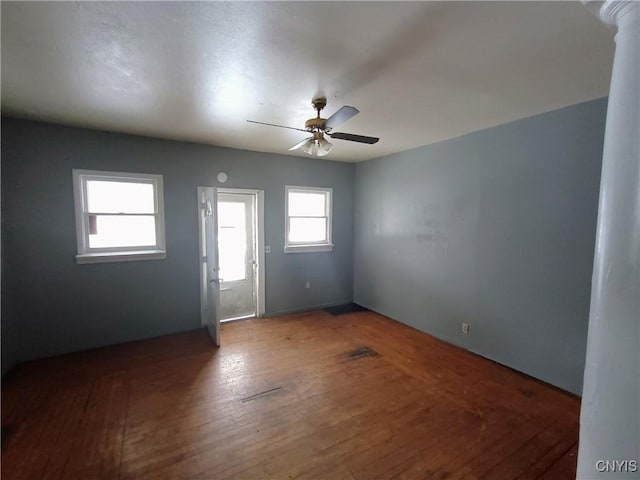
x=315, y=124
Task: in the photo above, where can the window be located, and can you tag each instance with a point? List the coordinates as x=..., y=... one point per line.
x=119, y=216
x=308, y=219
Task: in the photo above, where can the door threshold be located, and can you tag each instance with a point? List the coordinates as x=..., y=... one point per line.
x=233, y=319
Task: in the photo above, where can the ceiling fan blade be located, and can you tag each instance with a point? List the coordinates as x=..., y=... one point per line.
x=354, y=138
x=299, y=144
x=341, y=116
x=274, y=125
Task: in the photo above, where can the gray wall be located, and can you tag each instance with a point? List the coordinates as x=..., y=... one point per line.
x=52, y=305
x=496, y=229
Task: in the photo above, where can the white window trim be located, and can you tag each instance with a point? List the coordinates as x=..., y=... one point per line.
x=116, y=254
x=305, y=247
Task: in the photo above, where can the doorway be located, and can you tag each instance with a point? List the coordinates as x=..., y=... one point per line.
x=231, y=255
x=237, y=245
x=239, y=242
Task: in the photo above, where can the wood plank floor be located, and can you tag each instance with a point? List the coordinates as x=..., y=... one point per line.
x=410, y=407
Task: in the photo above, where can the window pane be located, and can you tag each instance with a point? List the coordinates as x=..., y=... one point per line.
x=120, y=197
x=123, y=231
x=307, y=204
x=232, y=241
x=307, y=229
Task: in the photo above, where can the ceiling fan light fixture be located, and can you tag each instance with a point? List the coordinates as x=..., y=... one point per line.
x=324, y=146
x=310, y=147
x=317, y=146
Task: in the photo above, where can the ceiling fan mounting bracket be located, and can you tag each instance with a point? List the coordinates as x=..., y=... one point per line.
x=319, y=103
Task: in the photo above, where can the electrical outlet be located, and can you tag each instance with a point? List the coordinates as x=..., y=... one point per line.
x=267, y=249
x=465, y=328
x=308, y=285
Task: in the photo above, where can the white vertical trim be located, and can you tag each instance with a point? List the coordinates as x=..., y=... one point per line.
x=203, y=274
x=78, y=200
x=261, y=256
x=329, y=211
x=160, y=231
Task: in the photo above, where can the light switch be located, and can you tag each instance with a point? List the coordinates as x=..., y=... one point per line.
x=267, y=249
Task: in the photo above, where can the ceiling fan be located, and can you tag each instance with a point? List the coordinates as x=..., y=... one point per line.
x=318, y=127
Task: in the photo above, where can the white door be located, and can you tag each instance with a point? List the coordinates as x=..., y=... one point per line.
x=209, y=279
x=237, y=256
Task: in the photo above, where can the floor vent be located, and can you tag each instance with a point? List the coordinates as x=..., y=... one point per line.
x=346, y=308
x=260, y=395
x=362, y=352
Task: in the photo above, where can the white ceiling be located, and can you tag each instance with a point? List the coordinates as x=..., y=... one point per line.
x=419, y=72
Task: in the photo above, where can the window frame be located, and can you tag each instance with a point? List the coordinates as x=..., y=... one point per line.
x=86, y=254
x=309, y=247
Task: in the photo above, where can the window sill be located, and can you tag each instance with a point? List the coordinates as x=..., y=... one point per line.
x=110, y=257
x=325, y=247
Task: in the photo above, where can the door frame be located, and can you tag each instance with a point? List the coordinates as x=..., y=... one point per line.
x=260, y=252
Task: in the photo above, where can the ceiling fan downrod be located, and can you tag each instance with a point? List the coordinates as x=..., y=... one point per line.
x=317, y=124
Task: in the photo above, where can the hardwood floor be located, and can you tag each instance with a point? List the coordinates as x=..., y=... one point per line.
x=410, y=407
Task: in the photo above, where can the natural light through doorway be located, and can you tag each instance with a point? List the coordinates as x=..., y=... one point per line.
x=232, y=243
